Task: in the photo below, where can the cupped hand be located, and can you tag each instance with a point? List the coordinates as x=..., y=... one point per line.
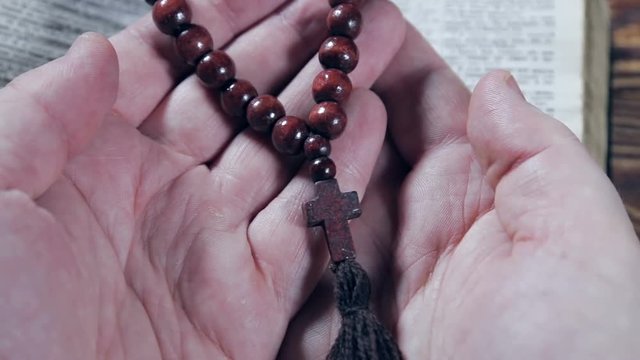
x=489, y=231
x=117, y=242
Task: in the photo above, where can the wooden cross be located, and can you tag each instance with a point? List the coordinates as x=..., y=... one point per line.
x=332, y=210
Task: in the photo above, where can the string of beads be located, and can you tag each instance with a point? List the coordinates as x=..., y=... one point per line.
x=290, y=135
x=361, y=336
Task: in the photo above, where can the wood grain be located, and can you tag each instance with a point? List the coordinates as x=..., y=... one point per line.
x=624, y=160
x=33, y=32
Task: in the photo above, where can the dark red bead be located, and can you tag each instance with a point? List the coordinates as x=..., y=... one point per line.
x=339, y=52
x=193, y=44
x=331, y=85
x=328, y=119
x=345, y=20
x=317, y=146
x=322, y=169
x=216, y=69
x=236, y=96
x=171, y=16
x=263, y=112
x=289, y=134
x=340, y=2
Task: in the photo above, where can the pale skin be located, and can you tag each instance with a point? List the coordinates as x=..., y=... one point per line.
x=488, y=231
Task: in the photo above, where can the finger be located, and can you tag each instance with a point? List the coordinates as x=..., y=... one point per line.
x=294, y=256
x=315, y=326
x=246, y=160
x=544, y=178
x=444, y=193
x=291, y=255
x=51, y=113
x=275, y=235
x=190, y=120
x=426, y=100
x=149, y=66
x=383, y=32
x=278, y=240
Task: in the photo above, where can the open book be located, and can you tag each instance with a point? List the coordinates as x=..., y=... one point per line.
x=558, y=50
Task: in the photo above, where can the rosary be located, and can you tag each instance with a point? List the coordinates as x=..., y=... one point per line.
x=361, y=336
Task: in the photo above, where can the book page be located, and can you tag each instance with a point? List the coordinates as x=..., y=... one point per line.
x=540, y=41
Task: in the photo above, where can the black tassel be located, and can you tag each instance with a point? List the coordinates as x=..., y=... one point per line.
x=362, y=336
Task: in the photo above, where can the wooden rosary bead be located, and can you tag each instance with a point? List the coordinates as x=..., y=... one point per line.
x=171, y=16
x=263, y=112
x=317, y=146
x=331, y=85
x=289, y=134
x=322, y=168
x=328, y=119
x=194, y=43
x=345, y=20
x=216, y=69
x=236, y=96
x=357, y=3
x=339, y=52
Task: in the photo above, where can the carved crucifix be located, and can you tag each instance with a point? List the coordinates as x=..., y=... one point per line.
x=332, y=210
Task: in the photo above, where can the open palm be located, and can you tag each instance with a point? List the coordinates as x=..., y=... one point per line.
x=118, y=243
x=489, y=231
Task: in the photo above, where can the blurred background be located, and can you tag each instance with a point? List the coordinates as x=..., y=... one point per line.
x=33, y=32
x=624, y=95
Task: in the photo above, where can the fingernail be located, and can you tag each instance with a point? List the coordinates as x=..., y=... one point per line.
x=512, y=84
x=81, y=42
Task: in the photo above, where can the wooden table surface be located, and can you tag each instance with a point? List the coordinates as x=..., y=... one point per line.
x=624, y=154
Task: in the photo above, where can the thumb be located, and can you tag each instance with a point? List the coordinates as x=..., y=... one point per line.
x=546, y=184
x=49, y=114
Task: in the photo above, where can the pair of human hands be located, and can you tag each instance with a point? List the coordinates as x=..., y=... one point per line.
x=487, y=230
